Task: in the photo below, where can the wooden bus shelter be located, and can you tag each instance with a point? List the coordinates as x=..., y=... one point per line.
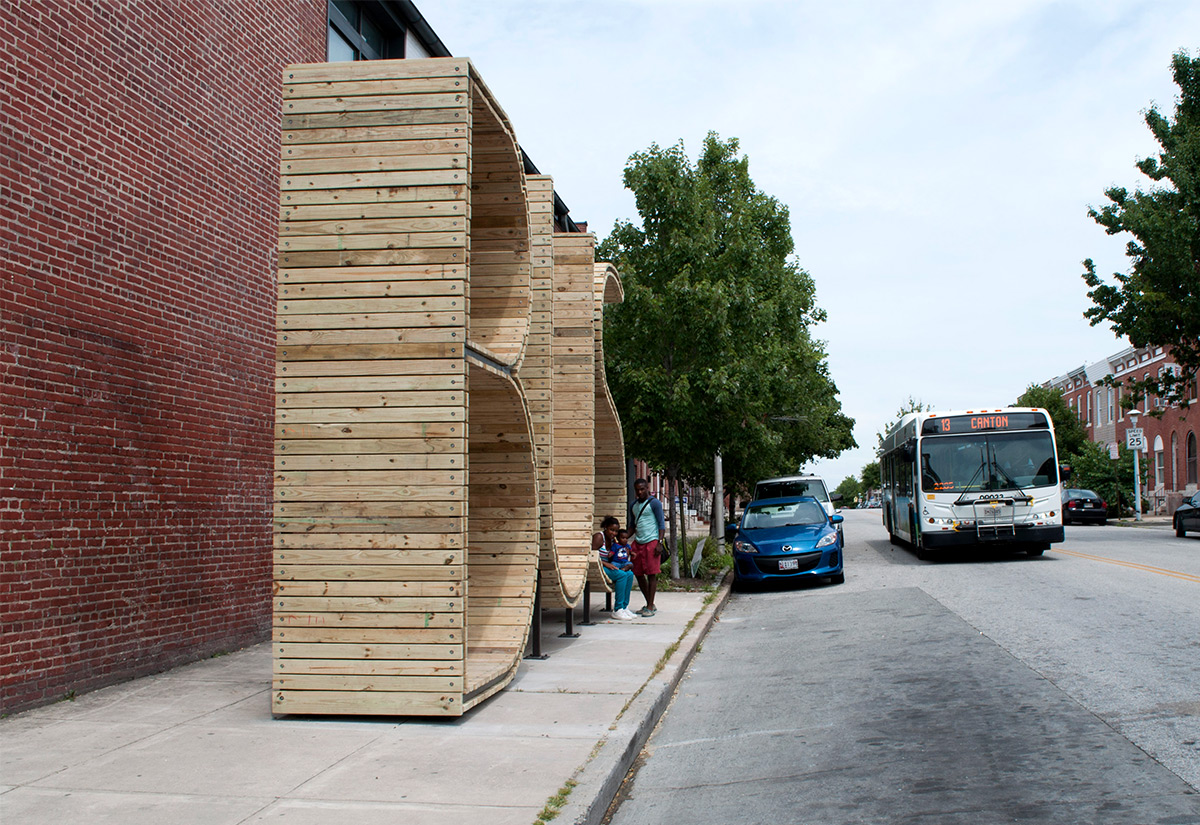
x=443, y=429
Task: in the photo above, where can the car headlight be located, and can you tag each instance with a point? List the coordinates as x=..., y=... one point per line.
x=827, y=540
x=742, y=546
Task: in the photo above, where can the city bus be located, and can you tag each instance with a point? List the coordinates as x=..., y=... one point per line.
x=972, y=479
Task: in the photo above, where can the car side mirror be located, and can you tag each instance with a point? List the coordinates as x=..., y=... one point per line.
x=836, y=519
x=835, y=497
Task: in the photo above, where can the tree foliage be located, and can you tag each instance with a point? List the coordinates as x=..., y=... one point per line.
x=1157, y=302
x=912, y=405
x=1093, y=469
x=851, y=490
x=1069, y=432
x=711, y=348
x=871, y=478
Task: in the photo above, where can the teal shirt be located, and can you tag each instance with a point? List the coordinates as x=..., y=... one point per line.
x=647, y=521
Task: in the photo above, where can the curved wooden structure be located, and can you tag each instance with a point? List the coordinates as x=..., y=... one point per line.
x=422, y=350
x=609, y=442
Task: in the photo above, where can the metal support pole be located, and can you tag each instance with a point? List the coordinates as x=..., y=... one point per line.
x=719, y=492
x=1137, y=471
x=587, y=606
x=569, y=618
x=535, y=630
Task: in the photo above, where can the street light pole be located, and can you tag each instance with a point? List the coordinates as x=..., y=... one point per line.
x=1137, y=472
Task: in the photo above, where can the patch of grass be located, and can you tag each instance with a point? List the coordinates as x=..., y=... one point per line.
x=555, y=803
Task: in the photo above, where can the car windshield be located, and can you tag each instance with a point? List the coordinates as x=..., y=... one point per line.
x=787, y=489
x=795, y=513
x=996, y=461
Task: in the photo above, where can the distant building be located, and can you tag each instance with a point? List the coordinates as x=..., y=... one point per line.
x=1170, y=456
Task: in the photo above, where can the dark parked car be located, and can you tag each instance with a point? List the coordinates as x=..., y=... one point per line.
x=1187, y=516
x=1083, y=506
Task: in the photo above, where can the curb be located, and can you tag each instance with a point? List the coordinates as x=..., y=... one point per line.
x=1157, y=524
x=599, y=780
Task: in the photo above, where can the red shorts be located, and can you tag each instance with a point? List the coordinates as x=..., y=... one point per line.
x=645, y=558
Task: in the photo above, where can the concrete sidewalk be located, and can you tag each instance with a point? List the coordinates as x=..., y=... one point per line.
x=198, y=744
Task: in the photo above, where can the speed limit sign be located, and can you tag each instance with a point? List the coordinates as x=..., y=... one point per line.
x=1134, y=439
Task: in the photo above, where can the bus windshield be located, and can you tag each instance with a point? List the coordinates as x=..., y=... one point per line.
x=988, y=462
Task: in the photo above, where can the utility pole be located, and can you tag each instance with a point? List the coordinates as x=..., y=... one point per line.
x=1134, y=440
x=719, y=510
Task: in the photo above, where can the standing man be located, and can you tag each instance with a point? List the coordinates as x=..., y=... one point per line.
x=648, y=527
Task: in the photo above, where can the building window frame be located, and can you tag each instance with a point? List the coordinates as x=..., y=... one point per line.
x=368, y=28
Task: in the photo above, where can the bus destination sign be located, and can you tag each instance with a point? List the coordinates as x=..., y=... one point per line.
x=983, y=422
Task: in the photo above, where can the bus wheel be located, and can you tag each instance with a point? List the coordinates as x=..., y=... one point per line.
x=1037, y=549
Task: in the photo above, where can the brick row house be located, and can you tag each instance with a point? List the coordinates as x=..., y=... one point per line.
x=1169, y=459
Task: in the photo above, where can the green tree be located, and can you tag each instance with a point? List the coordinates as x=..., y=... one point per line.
x=1069, y=433
x=851, y=491
x=711, y=348
x=1111, y=479
x=912, y=405
x=871, y=479
x=1157, y=302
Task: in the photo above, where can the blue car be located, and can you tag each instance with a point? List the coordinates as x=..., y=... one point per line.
x=791, y=538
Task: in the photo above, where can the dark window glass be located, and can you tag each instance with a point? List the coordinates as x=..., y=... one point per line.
x=1191, y=458
x=362, y=31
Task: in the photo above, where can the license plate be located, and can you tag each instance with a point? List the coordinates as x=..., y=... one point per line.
x=789, y=564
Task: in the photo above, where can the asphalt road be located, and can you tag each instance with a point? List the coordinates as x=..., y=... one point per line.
x=1060, y=689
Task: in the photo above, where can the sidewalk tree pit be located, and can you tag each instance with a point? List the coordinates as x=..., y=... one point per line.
x=443, y=428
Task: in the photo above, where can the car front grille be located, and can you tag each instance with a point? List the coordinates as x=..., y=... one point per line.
x=770, y=566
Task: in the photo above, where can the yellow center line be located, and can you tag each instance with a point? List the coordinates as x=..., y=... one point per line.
x=1175, y=574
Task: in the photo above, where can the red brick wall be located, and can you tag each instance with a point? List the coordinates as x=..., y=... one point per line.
x=139, y=152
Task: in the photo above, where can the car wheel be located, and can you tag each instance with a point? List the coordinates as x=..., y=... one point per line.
x=840, y=578
x=1179, y=531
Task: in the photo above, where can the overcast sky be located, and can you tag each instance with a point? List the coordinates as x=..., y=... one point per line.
x=938, y=158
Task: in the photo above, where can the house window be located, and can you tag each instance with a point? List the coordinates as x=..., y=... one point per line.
x=1110, y=405
x=1190, y=461
x=363, y=31
x=1160, y=468
x=1174, y=461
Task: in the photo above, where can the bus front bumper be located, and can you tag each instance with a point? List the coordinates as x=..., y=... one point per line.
x=1020, y=534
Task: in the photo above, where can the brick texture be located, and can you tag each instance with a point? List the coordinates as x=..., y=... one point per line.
x=139, y=159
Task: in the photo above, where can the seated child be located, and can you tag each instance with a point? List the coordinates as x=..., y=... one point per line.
x=620, y=551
